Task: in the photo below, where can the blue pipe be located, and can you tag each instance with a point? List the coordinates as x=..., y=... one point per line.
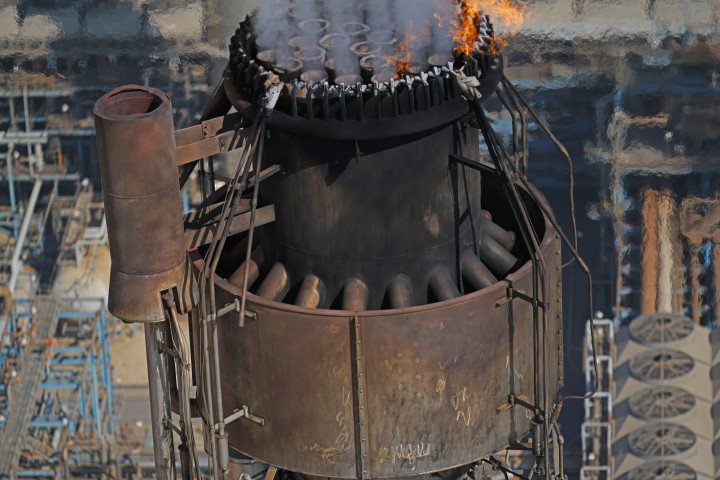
x=38, y=473
x=107, y=374
x=94, y=396
x=69, y=350
x=50, y=385
x=76, y=315
x=46, y=424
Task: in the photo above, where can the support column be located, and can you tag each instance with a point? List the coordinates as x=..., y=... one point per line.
x=695, y=304
x=155, y=337
x=648, y=302
x=666, y=209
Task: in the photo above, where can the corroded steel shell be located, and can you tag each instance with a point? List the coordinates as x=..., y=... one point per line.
x=388, y=393
x=136, y=145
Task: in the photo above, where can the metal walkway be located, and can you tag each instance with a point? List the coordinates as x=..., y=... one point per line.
x=25, y=386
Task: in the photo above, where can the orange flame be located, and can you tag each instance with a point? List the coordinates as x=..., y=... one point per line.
x=402, y=56
x=509, y=13
x=464, y=29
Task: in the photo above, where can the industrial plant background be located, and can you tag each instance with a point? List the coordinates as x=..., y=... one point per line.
x=631, y=87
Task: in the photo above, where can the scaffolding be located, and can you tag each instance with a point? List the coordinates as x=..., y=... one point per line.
x=56, y=395
x=13, y=339
x=34, y=174
x=62, y=421
x=597, y=429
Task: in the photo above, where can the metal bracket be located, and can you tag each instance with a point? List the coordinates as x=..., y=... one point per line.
x=195, y=238
x=520, y=446
x=167, y=423
x=241, y=413
x=170, y=351
x=271, y=473
x=509, y=295
x=497, y=465
x=512, y=294
x=513, y=400
x=231, y=307
x=210, y=137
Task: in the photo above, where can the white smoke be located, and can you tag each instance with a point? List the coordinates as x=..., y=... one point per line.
x=349, y=30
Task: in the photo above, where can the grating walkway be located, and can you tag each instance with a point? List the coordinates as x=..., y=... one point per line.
x=12, y=437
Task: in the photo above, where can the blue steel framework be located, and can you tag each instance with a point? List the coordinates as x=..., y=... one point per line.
x=73, y=411
x=13, y=338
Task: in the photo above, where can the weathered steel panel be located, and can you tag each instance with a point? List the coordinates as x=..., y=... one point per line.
x=436, y=375
x=391, y=393
x=292, y=368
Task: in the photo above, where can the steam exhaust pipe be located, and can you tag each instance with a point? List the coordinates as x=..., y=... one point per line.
x=136, y=145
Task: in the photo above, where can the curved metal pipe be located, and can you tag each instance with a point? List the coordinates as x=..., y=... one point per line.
x=311, y=292
x=475, y=272
x=275, y=284
x=492, y=254
x=442, y=284
x=355, y=295
x=504, y=237
x=400, y=292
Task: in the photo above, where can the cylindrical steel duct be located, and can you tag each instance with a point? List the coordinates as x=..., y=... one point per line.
x=366, y=197
x=136, y=145
x=649, y=251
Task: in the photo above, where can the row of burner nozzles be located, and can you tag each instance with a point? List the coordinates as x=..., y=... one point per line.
x=492, y=261
x=355, y=101
x=350, y=53
x=360, y=101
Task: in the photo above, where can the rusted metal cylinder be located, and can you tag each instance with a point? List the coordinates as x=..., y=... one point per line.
x=648, y=302
x=442, y=284
x=136, y=145
x=311, y=292
x=347, y=217
x=400, y=294
x=275, y=284
x=475, y=272
x=505, y=238
x=238, y=276
x=499, y=260
x=352, y=389
x=355, y=295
